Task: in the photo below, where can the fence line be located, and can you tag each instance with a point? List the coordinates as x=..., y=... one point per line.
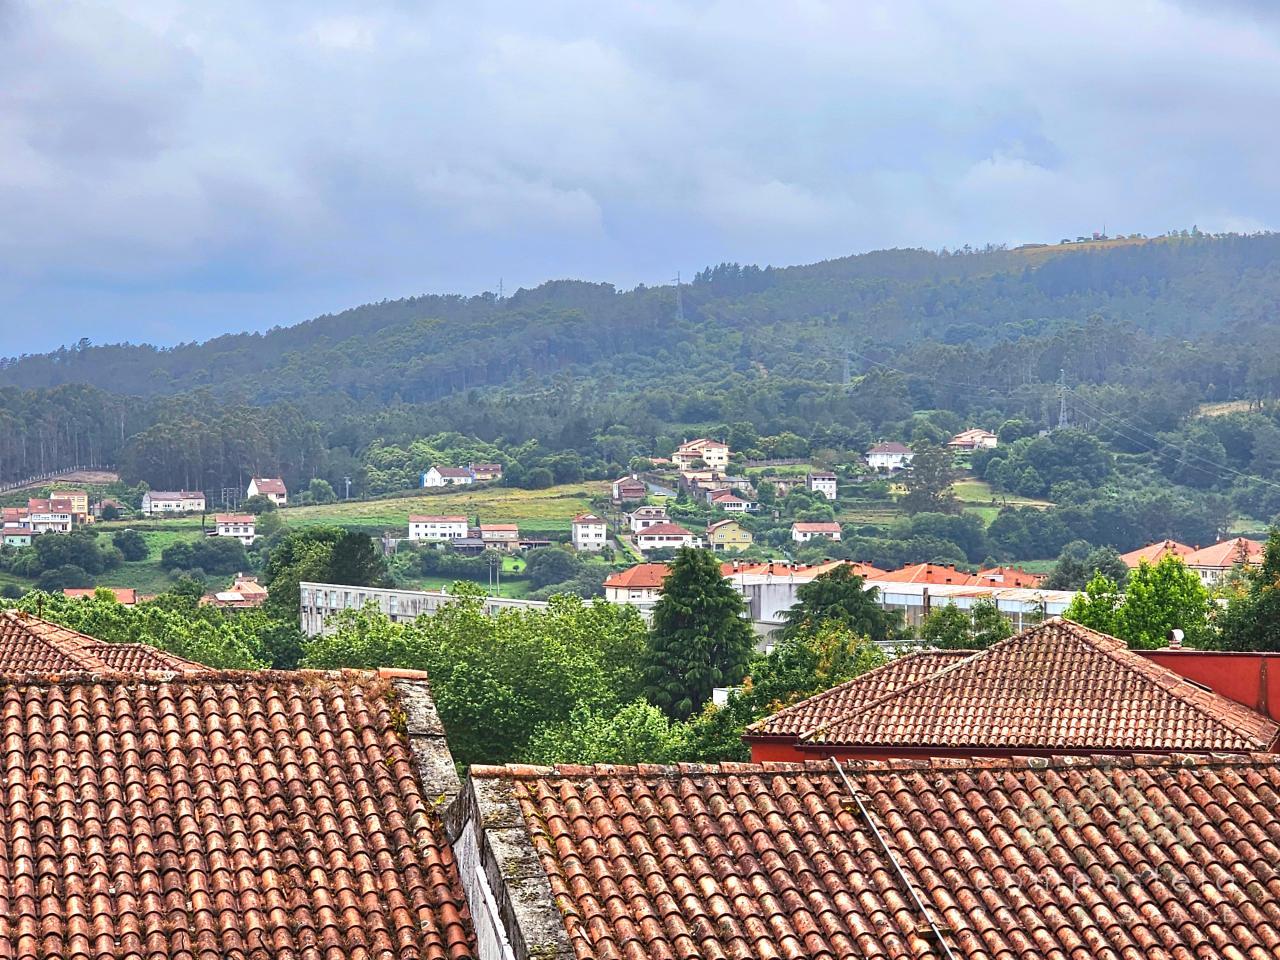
x=51, y=475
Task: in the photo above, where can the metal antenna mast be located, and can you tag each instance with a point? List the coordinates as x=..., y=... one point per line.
x=1062, y=398
x=679, y=300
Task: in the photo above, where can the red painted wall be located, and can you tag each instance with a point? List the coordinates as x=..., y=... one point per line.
x=765, y=750
x=1249, y=678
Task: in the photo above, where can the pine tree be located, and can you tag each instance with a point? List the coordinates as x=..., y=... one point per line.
x=1252, y=618
x=699, y=640
x=929, y=479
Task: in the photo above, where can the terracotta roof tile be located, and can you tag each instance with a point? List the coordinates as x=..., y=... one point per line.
x=932, y=573
x=1056, y=686
x=269, y=815
x=800, y=718
x=1155, y=552
x=1067, y=859
x=1226, y=554
x=29, y=644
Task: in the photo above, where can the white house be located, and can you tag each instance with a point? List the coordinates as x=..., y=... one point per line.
x=889, y=456
x=589, y=532
x=711, y=452
x=1212, y=564
x=272, y=488
x=50, y=516
x=728, y=501
x=242, y=526
x=663, y=536
x=974, y=440
x=823, y=482
x=640, y=584
x=642, y=517
x=802, y=532
x=437, y=528
x=172, y=501
x=448, y=477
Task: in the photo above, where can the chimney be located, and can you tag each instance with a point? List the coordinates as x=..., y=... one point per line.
x=1175, y=639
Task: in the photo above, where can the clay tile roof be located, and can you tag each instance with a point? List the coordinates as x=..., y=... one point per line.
x=1155, y=552
x=641, y=576
x=1069, y=859
x=1056, y=686
x=270, y=485
x=268, y=815
x=125, y=595
x=234, y=518
x=930, y=573
x=839, y=701
x=664, y=530
x=1010, y=577
x=891, y=447
x=816, y=526
x=1226, y=554
x=587, y=518
x=30, y=645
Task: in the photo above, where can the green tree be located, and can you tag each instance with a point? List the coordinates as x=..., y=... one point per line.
x=258, y=504
x=356, y=560
x=1160, y=598
x=700, y=639
x=321, y=491
x=497, y=679
x=929, y=479
x=1251, y=620
x=638, y=733
x=842, y=597
x=948, y=628
x=1096, y=608
x=131, y=544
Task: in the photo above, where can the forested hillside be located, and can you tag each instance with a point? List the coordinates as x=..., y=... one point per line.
x=575, y=378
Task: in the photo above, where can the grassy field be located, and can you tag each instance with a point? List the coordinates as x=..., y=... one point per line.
x=1225, y=407
x=536, y=511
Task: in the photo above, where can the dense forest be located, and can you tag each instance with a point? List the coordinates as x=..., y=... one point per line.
x=576, y=379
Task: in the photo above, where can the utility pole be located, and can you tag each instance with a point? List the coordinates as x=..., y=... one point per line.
x=499, y=289
x=347, y=480
x=679, y=300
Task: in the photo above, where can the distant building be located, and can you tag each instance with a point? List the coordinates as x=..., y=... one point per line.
x=125, y=596
x=79, y=501
x=486, y=472
x=16, y=537
x=1212, y=564
x=642, y=517
x=500, y=536
x=974, y=440
x=437, y=528
x=729, y=502
x=629, y=490
x=242, y=526
x=711, y=452
x=728, y=536
x=49, y=515
x=664, y=536
x=640, y=584
x=937, y=574
x=172, y=501
x=1153, y=553
x=803, y=531
x=245, y=593
x=889, y=456
x=589, y=532
x=448, y=477
x=1010, y=577
x=823, y=482
x=272, y=488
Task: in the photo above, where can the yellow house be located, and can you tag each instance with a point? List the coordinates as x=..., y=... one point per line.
x=79, y=503
x=728, y=536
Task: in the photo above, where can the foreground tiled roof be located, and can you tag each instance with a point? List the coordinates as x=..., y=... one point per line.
x=250, y=815
x=809, y=714
x=1055, y=687
x=643, y=576
x=29, y=644
x=1069, y=859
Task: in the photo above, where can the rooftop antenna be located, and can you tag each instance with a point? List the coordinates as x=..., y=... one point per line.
x=679, y=300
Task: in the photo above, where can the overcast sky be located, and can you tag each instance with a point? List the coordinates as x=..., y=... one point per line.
x=172, y=171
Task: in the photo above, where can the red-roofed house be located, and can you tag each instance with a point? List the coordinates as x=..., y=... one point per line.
x=1215, y=562
x=500, y=536
x=728, y=501
x=803, y=531
x=448, y=477
x=272, y=488
x=711, y=452
x=975, y=439
x=49, y=515
x=242, y=526
x=125, y=596
x=1153, y=553
x=641, y=583
x=889, y=456
x=1010, y=577
x=664, y=536
x=629, y=490
x=1056, y=688
x=930, y=573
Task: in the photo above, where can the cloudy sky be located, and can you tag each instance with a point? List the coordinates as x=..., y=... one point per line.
x=170, y=171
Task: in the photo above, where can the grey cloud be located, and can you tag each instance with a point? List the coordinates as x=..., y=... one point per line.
x=178, y=169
